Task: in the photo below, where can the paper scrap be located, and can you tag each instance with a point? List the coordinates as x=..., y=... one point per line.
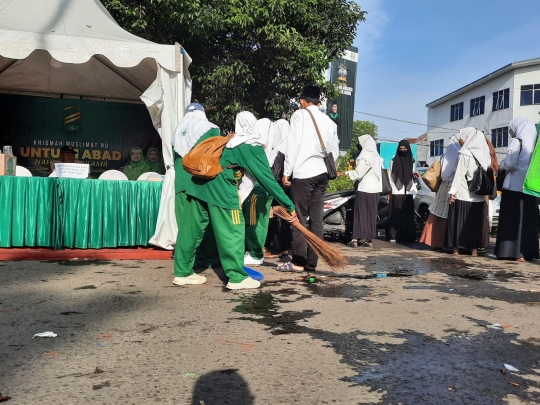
x=45, y=335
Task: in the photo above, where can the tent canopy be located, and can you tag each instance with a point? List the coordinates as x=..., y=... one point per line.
x=75, y=48
x=111, y=63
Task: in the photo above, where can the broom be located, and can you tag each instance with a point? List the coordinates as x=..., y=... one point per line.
x=324, y=250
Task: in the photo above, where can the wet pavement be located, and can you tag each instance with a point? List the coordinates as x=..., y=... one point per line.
x=400, y=325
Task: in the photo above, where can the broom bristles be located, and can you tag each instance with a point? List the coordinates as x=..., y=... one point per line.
x=329, y=254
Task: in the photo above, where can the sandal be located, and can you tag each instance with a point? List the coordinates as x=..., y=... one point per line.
x=353, y=243
x=310, y=268
x=521, y=260
x=270, y=255
x=289, y=268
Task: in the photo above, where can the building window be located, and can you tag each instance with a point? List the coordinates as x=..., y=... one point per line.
x=436, y=148
x=477, y=106
x=501, y=99
x=530, y=94
x=456, y=112
x=499, y=137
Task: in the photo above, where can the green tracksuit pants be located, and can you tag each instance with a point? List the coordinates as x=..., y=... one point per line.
x=207, y=254
x=256, y=208
x=228, y=226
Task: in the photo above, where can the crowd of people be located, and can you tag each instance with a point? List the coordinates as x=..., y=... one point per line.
x=227, y=220
x=459, y=218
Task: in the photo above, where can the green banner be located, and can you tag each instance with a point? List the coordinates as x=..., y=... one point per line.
x=532, y=180
x=101, y=133
x=343, y=73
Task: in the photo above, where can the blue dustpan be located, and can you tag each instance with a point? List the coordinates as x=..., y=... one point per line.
x=254, y=274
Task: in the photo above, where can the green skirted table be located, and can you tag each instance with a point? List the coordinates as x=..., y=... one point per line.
x=74, y=213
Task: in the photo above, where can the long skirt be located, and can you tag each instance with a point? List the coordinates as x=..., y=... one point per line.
x=465, y=225
x=434, y=232
x=401, y=225
x=365, y=215
x=517, y=236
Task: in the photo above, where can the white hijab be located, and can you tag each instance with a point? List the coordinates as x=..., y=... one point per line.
x=526, y=131
x=450, y=158
x=283, y=126
x=369, y=153
x=189, y=130
x=475, y=142
x=269, y=138
x=244, y=130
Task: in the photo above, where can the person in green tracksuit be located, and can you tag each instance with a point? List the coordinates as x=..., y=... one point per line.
x=216, y=202
x=256, y=207
x=190, y=129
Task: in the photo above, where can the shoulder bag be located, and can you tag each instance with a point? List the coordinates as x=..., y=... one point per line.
x=501, y=174
x=328, y=157
x=432, y=176
x=483, y=181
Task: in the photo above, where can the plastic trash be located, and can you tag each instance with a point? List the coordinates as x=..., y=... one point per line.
x=45, y=335
x=190, y=375
x=255, y=275
x=510, y=368
x=451, y=289
x=381, y=275
x=496, y=326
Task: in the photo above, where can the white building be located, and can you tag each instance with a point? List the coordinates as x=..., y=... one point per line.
x=488, y=104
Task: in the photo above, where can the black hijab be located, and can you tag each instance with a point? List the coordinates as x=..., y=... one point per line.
x=402, y=167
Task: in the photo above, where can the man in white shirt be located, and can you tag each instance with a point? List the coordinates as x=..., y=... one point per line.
x=305, y=162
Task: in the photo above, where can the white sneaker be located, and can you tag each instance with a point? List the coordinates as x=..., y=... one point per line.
x=244, y=285
x=190, y=280
x=250, y=260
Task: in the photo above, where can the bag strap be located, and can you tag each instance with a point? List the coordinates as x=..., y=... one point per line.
x=318, y=132
x=520, y=145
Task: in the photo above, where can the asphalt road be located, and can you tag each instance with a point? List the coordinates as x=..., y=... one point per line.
x=423, y=334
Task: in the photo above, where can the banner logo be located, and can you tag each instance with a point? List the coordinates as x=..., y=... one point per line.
x=72, y=116
x=342, y=73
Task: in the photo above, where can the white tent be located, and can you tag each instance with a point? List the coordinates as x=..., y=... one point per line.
x=74, y=48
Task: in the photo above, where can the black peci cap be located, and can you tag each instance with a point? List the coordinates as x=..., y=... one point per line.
x=67, y=149
x=311, y=92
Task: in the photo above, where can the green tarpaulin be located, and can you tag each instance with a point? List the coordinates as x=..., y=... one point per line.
x=73, y=213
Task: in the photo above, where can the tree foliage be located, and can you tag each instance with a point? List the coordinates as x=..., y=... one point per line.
x=247, y=55
x=360, y=128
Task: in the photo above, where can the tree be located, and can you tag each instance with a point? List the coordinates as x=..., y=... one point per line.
x=251, y=55
x=360, y=128
x=344, y=182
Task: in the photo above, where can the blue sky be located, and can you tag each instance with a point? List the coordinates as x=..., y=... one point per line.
x=453, y=42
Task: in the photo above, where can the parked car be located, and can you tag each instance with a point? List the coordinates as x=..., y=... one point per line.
x=495, y=206
x=424, y=198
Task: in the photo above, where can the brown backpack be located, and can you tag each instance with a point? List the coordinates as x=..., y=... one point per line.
x=203, y=160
